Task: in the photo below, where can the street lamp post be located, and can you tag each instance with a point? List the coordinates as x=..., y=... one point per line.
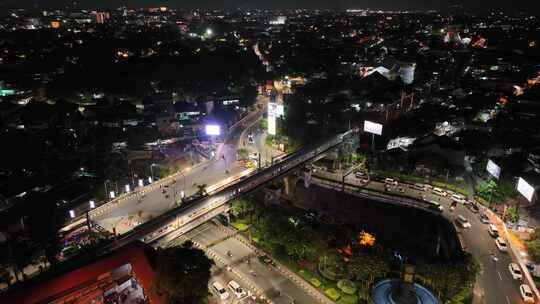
x=152, y=171
x=105, y=186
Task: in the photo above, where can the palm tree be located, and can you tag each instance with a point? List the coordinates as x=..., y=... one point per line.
x=201, y=189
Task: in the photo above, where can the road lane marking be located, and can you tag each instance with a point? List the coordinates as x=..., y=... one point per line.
x=507, y=300
x=500, y=277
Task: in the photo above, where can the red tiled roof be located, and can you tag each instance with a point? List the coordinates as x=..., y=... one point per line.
x=134, y=254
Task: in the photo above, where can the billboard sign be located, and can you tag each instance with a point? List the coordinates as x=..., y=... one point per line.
x=272, y=125
x=212, y=130
x=372, y=127
x=525, y=189
x=275, y=110
x=493, y=169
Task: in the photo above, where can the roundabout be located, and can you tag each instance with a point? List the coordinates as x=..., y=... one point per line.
x=394, y=291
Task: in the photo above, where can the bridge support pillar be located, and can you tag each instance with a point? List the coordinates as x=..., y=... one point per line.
x=290, y=185
x=307, y=177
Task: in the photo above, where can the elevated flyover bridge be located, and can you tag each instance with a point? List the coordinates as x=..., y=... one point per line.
x=198, y=209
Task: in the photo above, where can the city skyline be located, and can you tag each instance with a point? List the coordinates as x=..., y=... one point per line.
x=476, y=5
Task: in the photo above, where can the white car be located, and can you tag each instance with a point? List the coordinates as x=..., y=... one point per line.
x=390, y=181
x=419, y=187
x=463, y=222
x=493, y=231
x=458, y=198
x=501, y=244
x=237, y=290
x=220, y=290
x=436, y=205
x=439, y=191
x=526, y=293
x=515, y=271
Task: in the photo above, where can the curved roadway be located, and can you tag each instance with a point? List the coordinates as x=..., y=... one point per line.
x=495, y=284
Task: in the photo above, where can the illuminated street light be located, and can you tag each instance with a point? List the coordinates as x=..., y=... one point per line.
x=71, y=214
x=209, y=32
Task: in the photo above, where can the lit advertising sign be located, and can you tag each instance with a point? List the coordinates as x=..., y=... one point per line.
x=272, y=125
x=275, y=110
x=212, y=130
x=373, y=128
x=493, y=169
x=525, y=189
x=141, y=183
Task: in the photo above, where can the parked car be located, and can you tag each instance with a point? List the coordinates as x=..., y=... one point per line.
x=419, y=187
x=359, y=174
x=220, y=290
x=526, y=293
x=501, y=244
x=266, y=260
x=492, y=229
x=439, y=191
x=236, y=289
x=484, y=218
x=390, y=181
x=473, y=207
x=515, y=271
x=463, y=222
x=436, y=205
x=458, y=198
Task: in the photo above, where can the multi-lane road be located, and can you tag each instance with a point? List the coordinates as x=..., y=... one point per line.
x=127, y=212
x=495, y=284
x=236, y=260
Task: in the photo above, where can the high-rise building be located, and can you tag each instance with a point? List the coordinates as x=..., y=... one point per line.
x=101, y=17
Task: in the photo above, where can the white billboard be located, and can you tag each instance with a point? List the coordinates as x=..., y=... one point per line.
x=372, y=127
x=272, y=125
x=275, y=110
x=525, y=189
x=493, y=169
x=212, y=129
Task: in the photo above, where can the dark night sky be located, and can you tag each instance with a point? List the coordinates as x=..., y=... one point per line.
x=532, y=6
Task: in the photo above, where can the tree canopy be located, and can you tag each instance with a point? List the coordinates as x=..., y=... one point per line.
x=182, y=274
